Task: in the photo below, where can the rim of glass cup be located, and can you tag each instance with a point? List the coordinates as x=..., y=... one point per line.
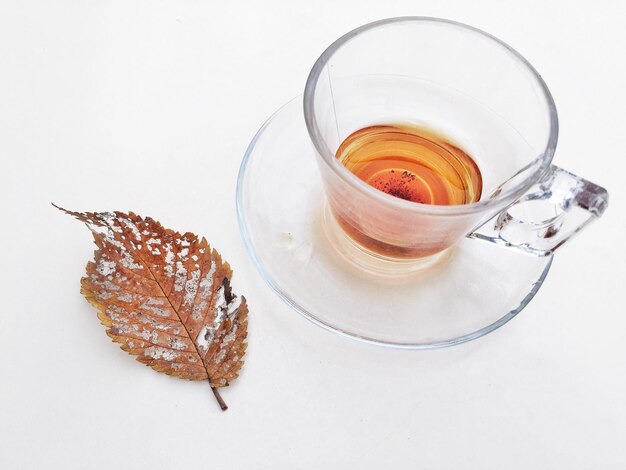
x=328, y=157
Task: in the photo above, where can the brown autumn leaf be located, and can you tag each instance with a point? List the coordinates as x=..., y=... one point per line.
x=165, y=297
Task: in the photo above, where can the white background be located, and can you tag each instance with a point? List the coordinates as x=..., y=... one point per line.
x=149, y=106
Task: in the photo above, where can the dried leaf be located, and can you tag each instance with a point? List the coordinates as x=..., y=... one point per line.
x=165, y=297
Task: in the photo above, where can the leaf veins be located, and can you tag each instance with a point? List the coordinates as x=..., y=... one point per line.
x=165, y=297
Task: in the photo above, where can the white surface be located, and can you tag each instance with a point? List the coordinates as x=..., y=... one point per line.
x=149, y=106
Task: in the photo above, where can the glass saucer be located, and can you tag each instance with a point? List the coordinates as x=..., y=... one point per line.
x=468, y=292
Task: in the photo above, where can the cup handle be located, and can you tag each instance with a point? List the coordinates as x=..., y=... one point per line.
x=553, y=210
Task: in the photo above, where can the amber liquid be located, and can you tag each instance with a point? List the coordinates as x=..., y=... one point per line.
x=412, y=163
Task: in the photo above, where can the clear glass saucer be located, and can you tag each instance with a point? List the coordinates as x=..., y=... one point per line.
x=468, y=292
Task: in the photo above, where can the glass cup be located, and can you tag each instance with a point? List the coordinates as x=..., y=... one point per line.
x=471, y=87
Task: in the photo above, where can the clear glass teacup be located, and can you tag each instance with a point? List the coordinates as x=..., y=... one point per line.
x=473, y=88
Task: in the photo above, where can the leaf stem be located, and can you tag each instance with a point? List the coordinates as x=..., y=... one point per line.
x=219, y=399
